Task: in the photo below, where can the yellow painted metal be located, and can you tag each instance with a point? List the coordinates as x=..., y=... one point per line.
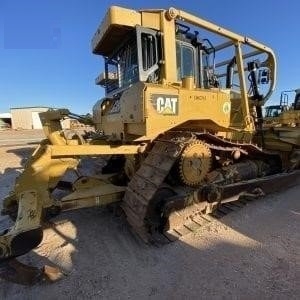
x=115, y=18
x=169, y=69
x=32, y=193
x=281, y=133
x=248, y=122
x=42, y=172
x=138, y=121
x=51, y=123
x=30, y=210
x=150, y=20
x=189, y=18
x=234, y=37
x=29, y=219
x=100, y=195
x=93, y=150
x=200, y=108
x=194, y=163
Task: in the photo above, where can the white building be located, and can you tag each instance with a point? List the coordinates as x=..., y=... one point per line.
x=26, y=117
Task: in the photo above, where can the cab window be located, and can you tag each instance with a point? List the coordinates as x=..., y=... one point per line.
x=185, y=56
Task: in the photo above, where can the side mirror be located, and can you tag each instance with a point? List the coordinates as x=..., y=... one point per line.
x=263, y=76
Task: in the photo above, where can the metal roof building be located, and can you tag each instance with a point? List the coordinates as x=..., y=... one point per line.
x=26, y=117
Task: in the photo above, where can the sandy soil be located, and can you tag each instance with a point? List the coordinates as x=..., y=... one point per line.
x=17, y=137
x=250, y=254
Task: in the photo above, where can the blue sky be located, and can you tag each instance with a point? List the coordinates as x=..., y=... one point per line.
x=46, y=59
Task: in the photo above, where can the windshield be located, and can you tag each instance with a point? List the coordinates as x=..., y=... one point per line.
x=121, y=70
x=273, y=111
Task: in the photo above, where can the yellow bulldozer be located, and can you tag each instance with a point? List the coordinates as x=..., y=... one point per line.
x=281, y=128
x=284, y=113
x=179, y=132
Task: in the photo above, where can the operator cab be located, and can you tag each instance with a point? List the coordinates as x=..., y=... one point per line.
x=275, y=110
x=297, y=100
x=139, y=57
x=195, y=57
x=151, y=46
x=136, y=59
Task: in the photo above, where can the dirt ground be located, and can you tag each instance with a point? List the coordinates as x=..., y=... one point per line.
x=17, y=137
x=250, y=254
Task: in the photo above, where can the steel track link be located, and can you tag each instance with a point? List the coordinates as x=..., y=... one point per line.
x=194, y=221
x=145, y=183
x=147, y=180
x=190, y=218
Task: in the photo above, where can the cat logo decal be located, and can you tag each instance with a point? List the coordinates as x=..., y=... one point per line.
x=165, y=104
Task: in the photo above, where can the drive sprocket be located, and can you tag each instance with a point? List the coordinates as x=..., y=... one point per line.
x=194, y=163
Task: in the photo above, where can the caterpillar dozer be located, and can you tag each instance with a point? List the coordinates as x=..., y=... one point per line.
x=179, y=132
x=284, y=113
x=281, y=127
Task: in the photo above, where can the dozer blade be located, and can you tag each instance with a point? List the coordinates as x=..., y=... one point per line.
x=27, y=232
x=25, y=235
x=15, y=243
